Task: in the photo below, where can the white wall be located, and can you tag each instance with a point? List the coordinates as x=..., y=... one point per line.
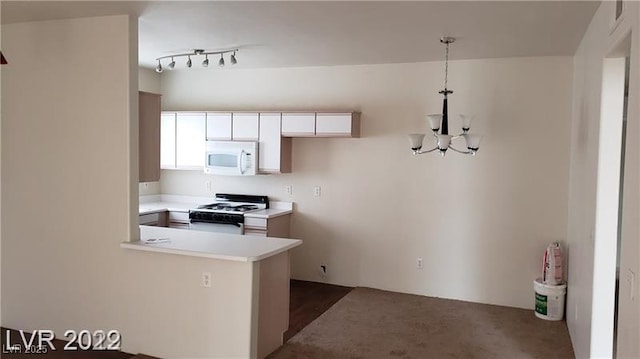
x=480, y=223
x=69, y=175
x=589, y=309
x=628, y=345
x=149, y=80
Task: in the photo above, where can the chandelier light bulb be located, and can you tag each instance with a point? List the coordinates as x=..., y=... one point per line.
x=159, y=67
x=416, y=141
x=473, y=141
x=466, y=122
x=233, y=58
x=434, y=122
x=221, y=62
x=205, y=63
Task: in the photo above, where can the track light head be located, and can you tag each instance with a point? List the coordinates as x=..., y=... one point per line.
x=205, y=63
x=233, y=58
x=189, y=63
x=221, y=62
x=172, y=64
x=159, y=68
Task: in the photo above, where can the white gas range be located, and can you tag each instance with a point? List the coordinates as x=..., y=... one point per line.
x=226, y=214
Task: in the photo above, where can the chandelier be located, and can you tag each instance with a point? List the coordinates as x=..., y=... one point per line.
x=439, y=123
x=197, y=52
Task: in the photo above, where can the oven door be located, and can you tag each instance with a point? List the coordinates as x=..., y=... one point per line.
x=206, y=226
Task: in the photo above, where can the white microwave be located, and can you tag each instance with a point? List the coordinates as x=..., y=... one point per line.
x=231, y=158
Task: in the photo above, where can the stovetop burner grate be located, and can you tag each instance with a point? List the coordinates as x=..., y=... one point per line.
x=229, y=207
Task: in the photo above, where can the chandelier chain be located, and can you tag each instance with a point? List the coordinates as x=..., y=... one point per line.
x=446, y=66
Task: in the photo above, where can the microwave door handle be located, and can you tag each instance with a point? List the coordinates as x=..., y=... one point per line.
x=240, y=165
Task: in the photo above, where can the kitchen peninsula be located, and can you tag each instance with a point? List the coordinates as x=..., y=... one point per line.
x=245, y=289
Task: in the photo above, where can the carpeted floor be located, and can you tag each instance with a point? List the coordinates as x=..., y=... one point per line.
x=370, y=323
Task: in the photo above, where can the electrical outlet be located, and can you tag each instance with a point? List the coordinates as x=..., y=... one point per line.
x=317, y=191
x=289, y=189
x=419, y=263
x=209, y=185
x=145, y=185
x=206, y=279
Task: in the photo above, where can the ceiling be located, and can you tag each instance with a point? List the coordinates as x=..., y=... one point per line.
x=326, y=33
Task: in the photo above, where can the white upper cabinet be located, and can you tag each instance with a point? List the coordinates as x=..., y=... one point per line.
x=245, y=126
x=184, y=134
x=338, y=124
x=190, y=140
x=219, y=126
x=298, y=124
x=274, y=154
x=168, y=140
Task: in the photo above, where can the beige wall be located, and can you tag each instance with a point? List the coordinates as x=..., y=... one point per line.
x=587, y=313
x=149, y=81
x=481, y=223
x=0, y=175
x=69, y=165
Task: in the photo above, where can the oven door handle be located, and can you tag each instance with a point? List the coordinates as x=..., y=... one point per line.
x=215, y=222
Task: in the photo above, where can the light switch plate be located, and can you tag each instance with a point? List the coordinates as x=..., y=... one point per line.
x=206, y=279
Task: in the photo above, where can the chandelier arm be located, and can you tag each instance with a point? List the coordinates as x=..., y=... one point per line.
x=463, y=152
x=421, y=152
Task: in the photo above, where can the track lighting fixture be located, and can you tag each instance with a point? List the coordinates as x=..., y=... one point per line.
x=205, y=63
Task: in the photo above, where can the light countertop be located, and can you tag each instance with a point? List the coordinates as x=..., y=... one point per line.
x=162, y=203
x=232, y=247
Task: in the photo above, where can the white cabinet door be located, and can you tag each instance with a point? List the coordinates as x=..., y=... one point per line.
x=219, y=126
x=168, y=140
x=274, y=154
x=245, y=127
x=190, y=140
x=298, y=124
x=335, y=124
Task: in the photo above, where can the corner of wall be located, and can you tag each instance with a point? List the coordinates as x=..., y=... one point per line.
x=134, y=231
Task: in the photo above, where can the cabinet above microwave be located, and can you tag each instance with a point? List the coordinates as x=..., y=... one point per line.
x=321, y=124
